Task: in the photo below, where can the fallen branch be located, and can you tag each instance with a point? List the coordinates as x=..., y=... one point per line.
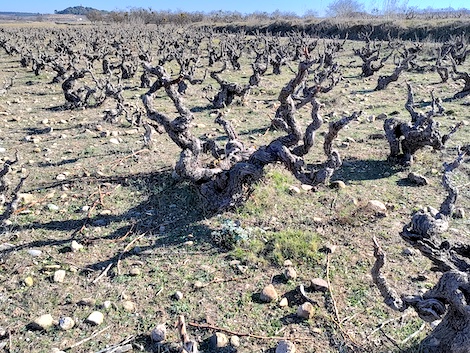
x=245, y=334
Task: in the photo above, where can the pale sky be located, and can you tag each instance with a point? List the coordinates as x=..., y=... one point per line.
x=243, y=6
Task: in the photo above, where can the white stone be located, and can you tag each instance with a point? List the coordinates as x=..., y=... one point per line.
x=235, y=341
x=128, y=305
x=34, y=252
x=66, y=323
x=52, y=207
x=219, y=340
x=43, y=322
x=95, y=318
x=59, y=276
x=283, y=302
x=76, y=246
x=376, y=206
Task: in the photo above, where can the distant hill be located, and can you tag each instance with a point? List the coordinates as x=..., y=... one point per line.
x=77, y=10
x=18, y=14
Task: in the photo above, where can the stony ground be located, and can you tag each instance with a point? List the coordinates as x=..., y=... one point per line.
x=103, y=227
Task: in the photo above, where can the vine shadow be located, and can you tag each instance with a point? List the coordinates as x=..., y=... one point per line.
x=370, y=169
x=169, y=212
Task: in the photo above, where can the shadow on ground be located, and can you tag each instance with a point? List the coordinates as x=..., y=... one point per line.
x=169, y=211
x=365, y=170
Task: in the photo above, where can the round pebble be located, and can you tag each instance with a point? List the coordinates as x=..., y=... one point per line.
x=95, y=318
x=66, y=323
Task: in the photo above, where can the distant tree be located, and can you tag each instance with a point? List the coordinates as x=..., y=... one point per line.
x=344, y=8
x=310, y=14
x=394, y=7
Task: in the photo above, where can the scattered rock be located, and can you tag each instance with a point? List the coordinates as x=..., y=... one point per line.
x=178, y=295
x=52, y=207
x=107, y=304
x=319, y=284
x=198, y=285
x=306, y=310
x=376, y=206
x=95, y=318
x=75, y=246
x=66, y=323
x=61, y=177
x=417, y=179
x=381, y=116
x=337, y=184
x=287, y=263
x=128, y=305
x=306, y=187
x=34, y=252
x=26, y=198
x=43, y=322
x=407, y=252
x=283, y=302
x=158, y=334
x=59, y=276
x=235, y=341
x=268, y=294
x=294, y=190
x=29, y=281
x=114, y=141
x=459, y=213
x=290, y=273
x=285, y=346
x=219, y=340
x=135, y=271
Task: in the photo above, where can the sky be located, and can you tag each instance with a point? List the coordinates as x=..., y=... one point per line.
x=243, y=6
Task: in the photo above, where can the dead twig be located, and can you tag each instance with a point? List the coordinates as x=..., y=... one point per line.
x=336, y=320
x=123, y=346
x=125, y=250
x=386, y=322
x=105, y=271
x=87, y=339
x=414, y=334
x=133, y=154
x=245, y=334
